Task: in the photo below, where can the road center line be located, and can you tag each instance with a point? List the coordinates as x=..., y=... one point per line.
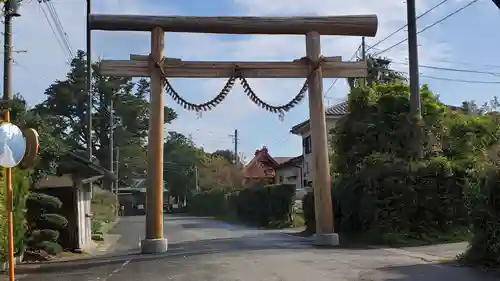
x=116, y=270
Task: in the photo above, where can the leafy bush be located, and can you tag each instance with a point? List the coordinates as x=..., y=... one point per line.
x=43, y=202
x=391, y=195
x=104, y=205
x=45, y=235
x=269, y=206
x=52, y=248
x=52, y=221
x=20, y=181
x=310, y=214
x=211, y=203
x=3, y=221
x=485, y=245
x=399, y=174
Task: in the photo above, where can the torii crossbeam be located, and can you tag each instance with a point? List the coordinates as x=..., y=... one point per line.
x=146, y=66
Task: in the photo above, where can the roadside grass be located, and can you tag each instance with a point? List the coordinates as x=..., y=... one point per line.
x=399, y=240
x=396, y=240
x=297, y=221
x=103, y=208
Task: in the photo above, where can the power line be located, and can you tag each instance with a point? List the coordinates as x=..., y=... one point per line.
x=57, y=27
x=469, y=63
x=402, y=27
x=453, y=61
x=460, y=80
x=59, y=42
x=430, y=26
x=452, y=69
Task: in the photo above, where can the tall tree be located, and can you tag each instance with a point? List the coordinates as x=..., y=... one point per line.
x=226, y=154
x=66, y=102
x=50, y=145
x=182, y=158
x=379, y=71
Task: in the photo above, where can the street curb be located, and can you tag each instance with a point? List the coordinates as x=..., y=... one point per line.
x=100, y=250
x=421, y=256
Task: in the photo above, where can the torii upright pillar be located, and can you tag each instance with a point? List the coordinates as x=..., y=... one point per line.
x=322, y=181
x=155, y=241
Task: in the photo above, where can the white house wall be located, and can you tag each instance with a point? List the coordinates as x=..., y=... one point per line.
x=81, y=217
x=307, y=164
x=84, y=221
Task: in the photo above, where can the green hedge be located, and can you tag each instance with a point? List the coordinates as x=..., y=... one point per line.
x=390, y=195
x=484, y=248
x=211, y=203
x=267, y=206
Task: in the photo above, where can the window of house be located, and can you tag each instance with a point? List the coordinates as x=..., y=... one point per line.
x=281, y=179
x=307, y=145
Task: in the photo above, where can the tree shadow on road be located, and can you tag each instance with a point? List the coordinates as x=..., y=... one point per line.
x=181, y=250
x=428, y=272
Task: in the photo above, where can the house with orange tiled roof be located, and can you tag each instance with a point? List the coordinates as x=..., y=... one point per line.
x=263, y=168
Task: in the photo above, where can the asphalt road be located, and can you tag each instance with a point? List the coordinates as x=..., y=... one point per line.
x=205, y=250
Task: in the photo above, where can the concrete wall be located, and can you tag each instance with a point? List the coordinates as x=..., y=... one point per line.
x=289, y=175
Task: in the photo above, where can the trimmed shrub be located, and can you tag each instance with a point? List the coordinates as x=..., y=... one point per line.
x=44, y=223
x=267, y=206
x=390, y=195
x=211, y=203
x=45, y=235
x=51, y=248
x=43, y=201
x=484, y=248
x=52, y=221
x=310, y=214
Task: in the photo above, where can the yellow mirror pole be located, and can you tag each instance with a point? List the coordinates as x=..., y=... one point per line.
x=10, y=214
x=7, y=96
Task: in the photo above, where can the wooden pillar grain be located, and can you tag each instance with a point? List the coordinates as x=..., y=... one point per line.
x=154, y=203
x=320, y=162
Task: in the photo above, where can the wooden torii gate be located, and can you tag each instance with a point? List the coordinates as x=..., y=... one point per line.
x=314, y=67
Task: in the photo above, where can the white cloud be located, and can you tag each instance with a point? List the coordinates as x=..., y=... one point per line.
x=47, y=62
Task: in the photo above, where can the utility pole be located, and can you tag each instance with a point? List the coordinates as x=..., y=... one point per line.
x=235, y=141
x=117, y=182
x=89, y=87
x=111, y=138
x=11, y=10
x=363, y=56
x=413, y=60
x=196, y=177
x=497, y=3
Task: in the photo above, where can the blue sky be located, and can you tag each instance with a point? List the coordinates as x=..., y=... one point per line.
x=468, y=40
